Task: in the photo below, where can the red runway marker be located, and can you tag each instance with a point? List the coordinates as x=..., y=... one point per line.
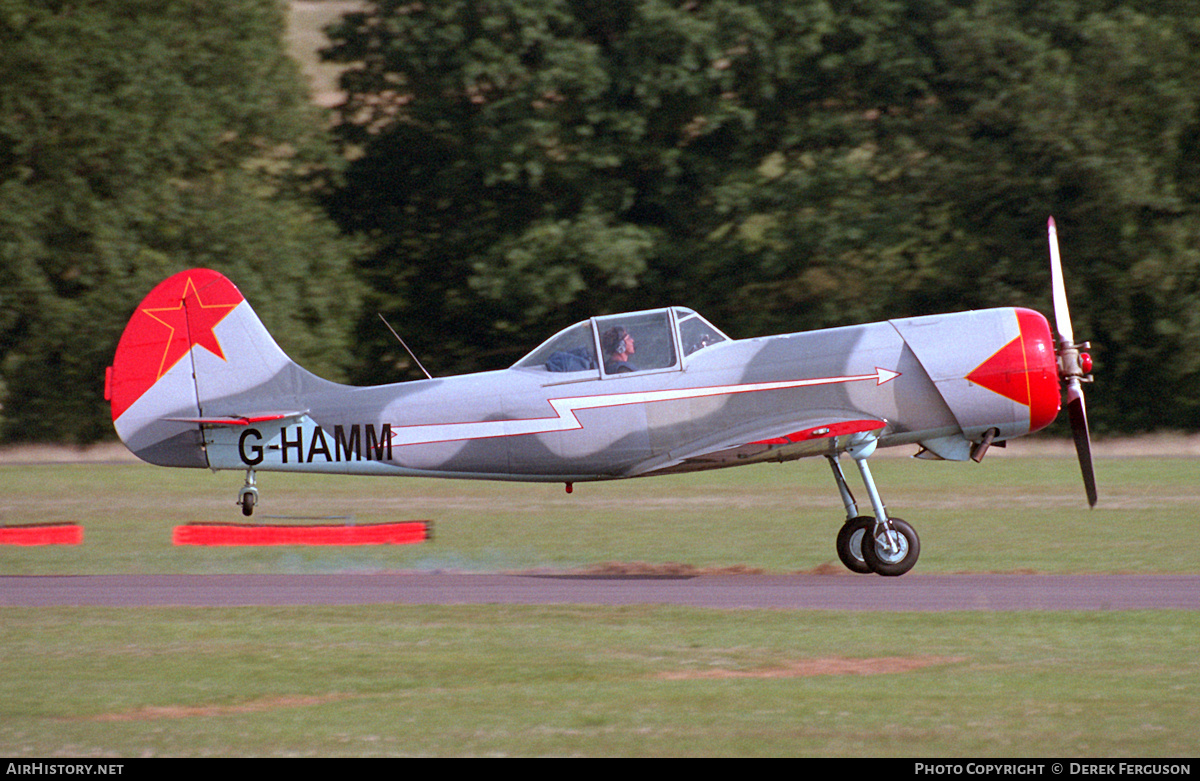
x=403, y=533
x=42, y=534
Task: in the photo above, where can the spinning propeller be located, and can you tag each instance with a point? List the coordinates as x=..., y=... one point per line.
x=1074, y=369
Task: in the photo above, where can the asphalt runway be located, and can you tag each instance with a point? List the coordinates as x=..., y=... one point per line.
x=913, y=592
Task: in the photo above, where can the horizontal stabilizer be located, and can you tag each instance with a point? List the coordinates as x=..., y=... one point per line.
x=242, y=420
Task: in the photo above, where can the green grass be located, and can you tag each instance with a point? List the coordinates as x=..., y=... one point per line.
x=1007, y=514
x=593, y=680
x=484, y=680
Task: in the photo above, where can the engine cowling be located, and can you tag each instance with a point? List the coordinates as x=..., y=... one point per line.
x=996, y=369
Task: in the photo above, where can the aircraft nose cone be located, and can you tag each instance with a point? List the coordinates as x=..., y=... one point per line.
x=1025, y=370
x=1041, y=369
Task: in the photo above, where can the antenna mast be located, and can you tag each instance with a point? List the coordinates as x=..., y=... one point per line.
x=405, y=346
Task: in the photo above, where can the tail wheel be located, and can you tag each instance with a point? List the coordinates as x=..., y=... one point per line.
x=891, y=553
x=248, y=504
x=849, y=543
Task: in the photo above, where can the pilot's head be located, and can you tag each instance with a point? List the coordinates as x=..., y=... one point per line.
x=613, y=340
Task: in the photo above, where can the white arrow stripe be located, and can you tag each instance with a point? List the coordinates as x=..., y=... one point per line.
x=565, y=418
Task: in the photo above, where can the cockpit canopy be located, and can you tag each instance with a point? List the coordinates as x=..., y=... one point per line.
x=657, y=339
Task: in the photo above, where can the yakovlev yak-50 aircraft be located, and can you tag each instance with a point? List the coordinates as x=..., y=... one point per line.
x=198, y=382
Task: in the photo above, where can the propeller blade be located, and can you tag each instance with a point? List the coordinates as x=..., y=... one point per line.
x=1062, y=315
x=1072, y=368
x=1077, y=412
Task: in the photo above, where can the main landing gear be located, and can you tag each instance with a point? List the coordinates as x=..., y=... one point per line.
x=879, y=544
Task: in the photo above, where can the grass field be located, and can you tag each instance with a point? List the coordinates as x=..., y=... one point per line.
x=590, y=680
x=494, y=680
x=1007, y=514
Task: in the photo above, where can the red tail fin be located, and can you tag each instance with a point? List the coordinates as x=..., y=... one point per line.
x=191, y=343
x=182, y=312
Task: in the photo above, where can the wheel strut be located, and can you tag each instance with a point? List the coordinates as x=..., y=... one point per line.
x=860, y=453
x=839, y=477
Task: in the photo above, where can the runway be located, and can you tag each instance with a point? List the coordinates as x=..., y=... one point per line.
x=913, y=592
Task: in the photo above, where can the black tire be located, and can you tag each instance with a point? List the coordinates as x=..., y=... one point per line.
x=247, y=504
x=849, y=543
x=892, y=564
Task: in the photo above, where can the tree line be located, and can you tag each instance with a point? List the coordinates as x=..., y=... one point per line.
x=501, y=169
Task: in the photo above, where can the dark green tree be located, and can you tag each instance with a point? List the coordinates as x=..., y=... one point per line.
x=139, y=138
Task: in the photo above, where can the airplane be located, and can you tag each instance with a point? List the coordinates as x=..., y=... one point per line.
x=197, y=381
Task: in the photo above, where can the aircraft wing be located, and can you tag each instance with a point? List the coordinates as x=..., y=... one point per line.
x=779, y=441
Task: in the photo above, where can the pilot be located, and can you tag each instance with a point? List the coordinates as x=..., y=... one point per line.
x=617, y=344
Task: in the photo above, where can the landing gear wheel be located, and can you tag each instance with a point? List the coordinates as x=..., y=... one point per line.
x=248, y=496
x=849, y=543
x=888, y=560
